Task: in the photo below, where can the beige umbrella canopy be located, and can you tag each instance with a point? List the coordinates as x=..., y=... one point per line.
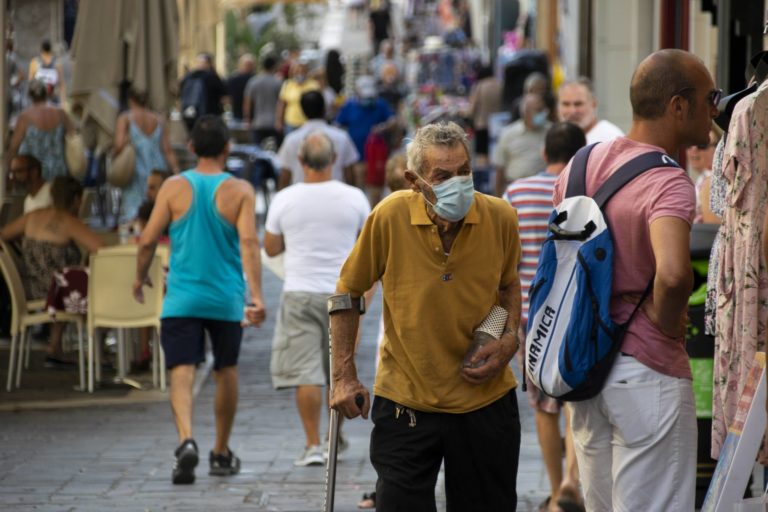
x=133, y=40
x=197, y=29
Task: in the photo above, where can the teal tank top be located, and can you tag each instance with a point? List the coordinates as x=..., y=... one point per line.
x=205, y=279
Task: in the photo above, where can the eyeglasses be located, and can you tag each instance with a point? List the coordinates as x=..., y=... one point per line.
x=714, y=96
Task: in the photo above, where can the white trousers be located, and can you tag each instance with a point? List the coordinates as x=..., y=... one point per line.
x=636, y=442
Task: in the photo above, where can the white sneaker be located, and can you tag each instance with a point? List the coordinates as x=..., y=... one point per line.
x=312, y=456
x=340, y=448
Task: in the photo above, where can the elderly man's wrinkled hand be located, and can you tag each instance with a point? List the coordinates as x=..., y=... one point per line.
x=497, y=354
x=346, y=399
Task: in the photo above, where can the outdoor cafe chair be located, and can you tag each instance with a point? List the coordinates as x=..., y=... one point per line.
x=111, y=304
x=26, y=313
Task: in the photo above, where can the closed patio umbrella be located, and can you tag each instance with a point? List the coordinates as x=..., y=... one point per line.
x=131, y=41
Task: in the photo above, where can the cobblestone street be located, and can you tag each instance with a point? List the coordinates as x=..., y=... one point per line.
x=119, y=457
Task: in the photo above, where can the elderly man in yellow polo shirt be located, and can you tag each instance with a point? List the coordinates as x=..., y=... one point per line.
x=446, y=255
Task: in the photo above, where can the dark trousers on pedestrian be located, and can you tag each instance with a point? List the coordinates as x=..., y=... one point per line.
x=480, y=450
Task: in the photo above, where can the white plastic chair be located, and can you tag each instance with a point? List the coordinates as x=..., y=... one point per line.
x=27, y=313
x=111, y=304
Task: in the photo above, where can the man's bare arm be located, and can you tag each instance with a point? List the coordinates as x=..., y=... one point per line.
x=273, y=244
x=158, y=221
x=670, y=241
x=249, y=253
x=346, y=385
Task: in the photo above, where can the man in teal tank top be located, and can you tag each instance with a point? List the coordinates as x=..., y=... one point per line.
x=212, y=226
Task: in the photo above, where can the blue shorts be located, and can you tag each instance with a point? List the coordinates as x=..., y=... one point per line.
x=183, y=340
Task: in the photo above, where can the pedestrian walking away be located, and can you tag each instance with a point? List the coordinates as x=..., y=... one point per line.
x=204, y=207
x=636, y=439
x=315, y=223
x=445, y=255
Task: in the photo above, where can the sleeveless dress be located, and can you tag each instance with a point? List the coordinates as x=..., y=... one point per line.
x=48, y=147
x=148, y=158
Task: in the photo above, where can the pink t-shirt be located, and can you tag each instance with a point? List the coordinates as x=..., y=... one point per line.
x=662, y=192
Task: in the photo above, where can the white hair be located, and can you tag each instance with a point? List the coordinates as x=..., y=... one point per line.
x=446, y=134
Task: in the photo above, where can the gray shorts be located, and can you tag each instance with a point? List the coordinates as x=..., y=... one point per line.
x=300, y=345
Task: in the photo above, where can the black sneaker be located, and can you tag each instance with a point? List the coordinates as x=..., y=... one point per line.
x=186, y=460
x=223, y=465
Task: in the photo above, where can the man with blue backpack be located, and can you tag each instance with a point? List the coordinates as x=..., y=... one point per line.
x=608, y=303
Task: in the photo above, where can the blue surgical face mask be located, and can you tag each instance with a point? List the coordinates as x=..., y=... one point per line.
x=454, y=197
x=539, y=119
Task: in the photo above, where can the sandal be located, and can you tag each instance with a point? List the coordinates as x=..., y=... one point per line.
x=368, y=501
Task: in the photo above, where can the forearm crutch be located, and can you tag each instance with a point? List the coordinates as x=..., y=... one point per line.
x=333, y=437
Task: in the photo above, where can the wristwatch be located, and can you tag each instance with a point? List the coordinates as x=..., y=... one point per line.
x=344, y=302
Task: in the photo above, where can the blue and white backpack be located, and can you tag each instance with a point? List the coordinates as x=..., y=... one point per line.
x=572, y=340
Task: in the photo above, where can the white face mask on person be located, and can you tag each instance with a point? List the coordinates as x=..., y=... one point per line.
x=454, y=197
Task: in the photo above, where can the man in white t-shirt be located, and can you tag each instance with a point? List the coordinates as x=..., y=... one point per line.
x=576, y=104
x=313, y=105
x=27, y=171
x=316, y=224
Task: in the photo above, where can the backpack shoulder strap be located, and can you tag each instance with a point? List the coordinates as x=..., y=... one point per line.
x=577, y=177
x=630, y=171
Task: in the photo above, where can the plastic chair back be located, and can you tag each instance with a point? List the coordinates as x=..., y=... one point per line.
x=110, y=297
x=16, y=289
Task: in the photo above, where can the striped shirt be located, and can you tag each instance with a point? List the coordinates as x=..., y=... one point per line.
x=532, y=197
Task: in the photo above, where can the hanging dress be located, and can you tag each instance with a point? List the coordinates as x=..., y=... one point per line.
x=742, y=279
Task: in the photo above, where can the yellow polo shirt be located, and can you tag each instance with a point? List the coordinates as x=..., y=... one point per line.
x=290, y=93
x=433, y=301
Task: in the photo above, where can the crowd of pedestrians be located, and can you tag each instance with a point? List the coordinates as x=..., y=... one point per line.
x=358, y=205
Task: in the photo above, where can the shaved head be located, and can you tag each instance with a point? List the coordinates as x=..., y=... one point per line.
x=659, y=77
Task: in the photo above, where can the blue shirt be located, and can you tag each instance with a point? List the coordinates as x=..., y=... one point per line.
x=358, y=118
x=205, y=279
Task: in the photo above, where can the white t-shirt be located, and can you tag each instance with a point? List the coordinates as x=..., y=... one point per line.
x=519, y=150
x=319, y=223
x=603, y=131
x=346, y=153
x=40, y=200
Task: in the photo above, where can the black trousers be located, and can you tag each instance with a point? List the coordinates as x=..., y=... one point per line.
x=480, y=449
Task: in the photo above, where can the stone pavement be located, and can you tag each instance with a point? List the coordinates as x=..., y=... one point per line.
x=119, y=457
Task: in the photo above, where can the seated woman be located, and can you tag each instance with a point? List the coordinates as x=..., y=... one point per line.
x=50, y=242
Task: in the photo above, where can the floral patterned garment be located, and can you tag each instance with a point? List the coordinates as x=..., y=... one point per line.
x=742, y=279
x=68, y=291
x=717, y=205
x=41, y=259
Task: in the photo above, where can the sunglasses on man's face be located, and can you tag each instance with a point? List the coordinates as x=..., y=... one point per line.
x=714, y=96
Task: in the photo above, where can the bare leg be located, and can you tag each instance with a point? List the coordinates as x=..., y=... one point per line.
x=309, y=401
x=182, y=380
x=548, y=430
x=224, y=406
x=569, y=489
x=54, y=342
